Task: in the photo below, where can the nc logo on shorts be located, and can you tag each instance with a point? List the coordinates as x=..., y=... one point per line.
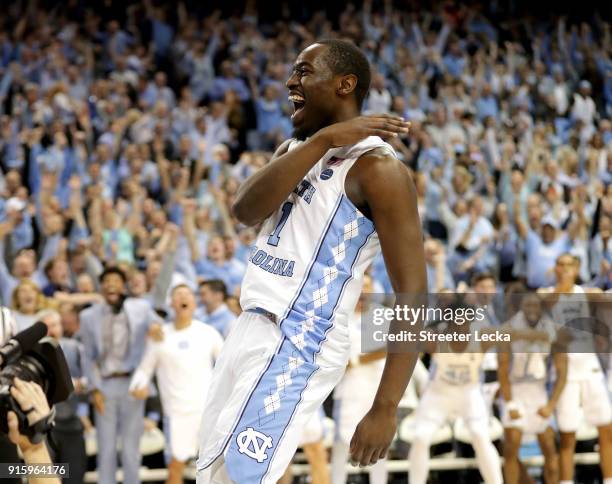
x=326, y=174
x=254, y=444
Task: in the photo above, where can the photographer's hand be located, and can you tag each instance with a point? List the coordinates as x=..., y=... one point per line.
x=33, y=402
x=31, y=399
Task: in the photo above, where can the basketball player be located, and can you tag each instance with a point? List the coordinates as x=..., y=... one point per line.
x=183, y=363
x=328, y=199
x=354, y=395
x=522, y=378
x=586, y=386
x=455, y=390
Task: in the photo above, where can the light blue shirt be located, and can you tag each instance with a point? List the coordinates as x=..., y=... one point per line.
x=487, y=106
x=230, y=272
x=541, y=258
x=454, y=65
x=221, y=319
x=433, y=199
x=222, y=84
x=269, y=115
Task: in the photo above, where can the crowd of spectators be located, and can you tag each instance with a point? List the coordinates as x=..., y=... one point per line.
x=126, y=128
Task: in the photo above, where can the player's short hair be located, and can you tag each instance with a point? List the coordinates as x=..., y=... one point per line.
x=344, y=57
x=215, y=285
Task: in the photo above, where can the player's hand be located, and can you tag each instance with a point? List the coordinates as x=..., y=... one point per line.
x=98, y=401
x=140, y=393
x=156, y=332
x=354, y=130
x=515, y=414
x=546, y=411
x=373, y=436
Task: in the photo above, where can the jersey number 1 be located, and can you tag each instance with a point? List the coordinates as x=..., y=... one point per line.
x=275, y=236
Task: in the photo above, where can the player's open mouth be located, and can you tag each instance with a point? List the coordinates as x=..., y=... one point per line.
x=298, y=103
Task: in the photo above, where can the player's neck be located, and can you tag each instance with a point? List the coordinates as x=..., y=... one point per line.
x=182, y=322
x=344, y=113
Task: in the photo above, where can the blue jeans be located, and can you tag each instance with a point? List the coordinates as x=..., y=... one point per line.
x=123, y=418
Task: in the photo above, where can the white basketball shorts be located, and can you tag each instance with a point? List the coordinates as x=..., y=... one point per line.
x=269, y=380
x=589, y=397
x=443, y=402
x=529, y=398
x=181, y=433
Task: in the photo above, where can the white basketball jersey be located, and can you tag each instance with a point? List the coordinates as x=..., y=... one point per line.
x=311, y=254
x=458, y=368
x=529, y=357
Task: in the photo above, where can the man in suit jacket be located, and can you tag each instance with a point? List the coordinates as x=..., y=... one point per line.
x=114, y=334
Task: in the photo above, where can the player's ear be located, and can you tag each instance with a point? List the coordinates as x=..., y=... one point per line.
x=347, y=84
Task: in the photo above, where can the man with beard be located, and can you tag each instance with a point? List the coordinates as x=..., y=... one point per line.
x=328, y=199
x=113, y=335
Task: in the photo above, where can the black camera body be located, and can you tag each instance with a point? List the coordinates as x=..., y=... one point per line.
x=44, y=364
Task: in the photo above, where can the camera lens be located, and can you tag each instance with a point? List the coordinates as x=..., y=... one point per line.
x=27, y=369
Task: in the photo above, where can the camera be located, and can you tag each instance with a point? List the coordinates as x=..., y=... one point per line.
x=44, y=363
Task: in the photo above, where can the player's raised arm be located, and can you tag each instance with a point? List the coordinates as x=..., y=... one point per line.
x=383, y=184
x=265, y=191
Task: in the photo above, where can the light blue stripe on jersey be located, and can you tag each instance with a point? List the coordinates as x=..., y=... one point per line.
x=274, y=401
